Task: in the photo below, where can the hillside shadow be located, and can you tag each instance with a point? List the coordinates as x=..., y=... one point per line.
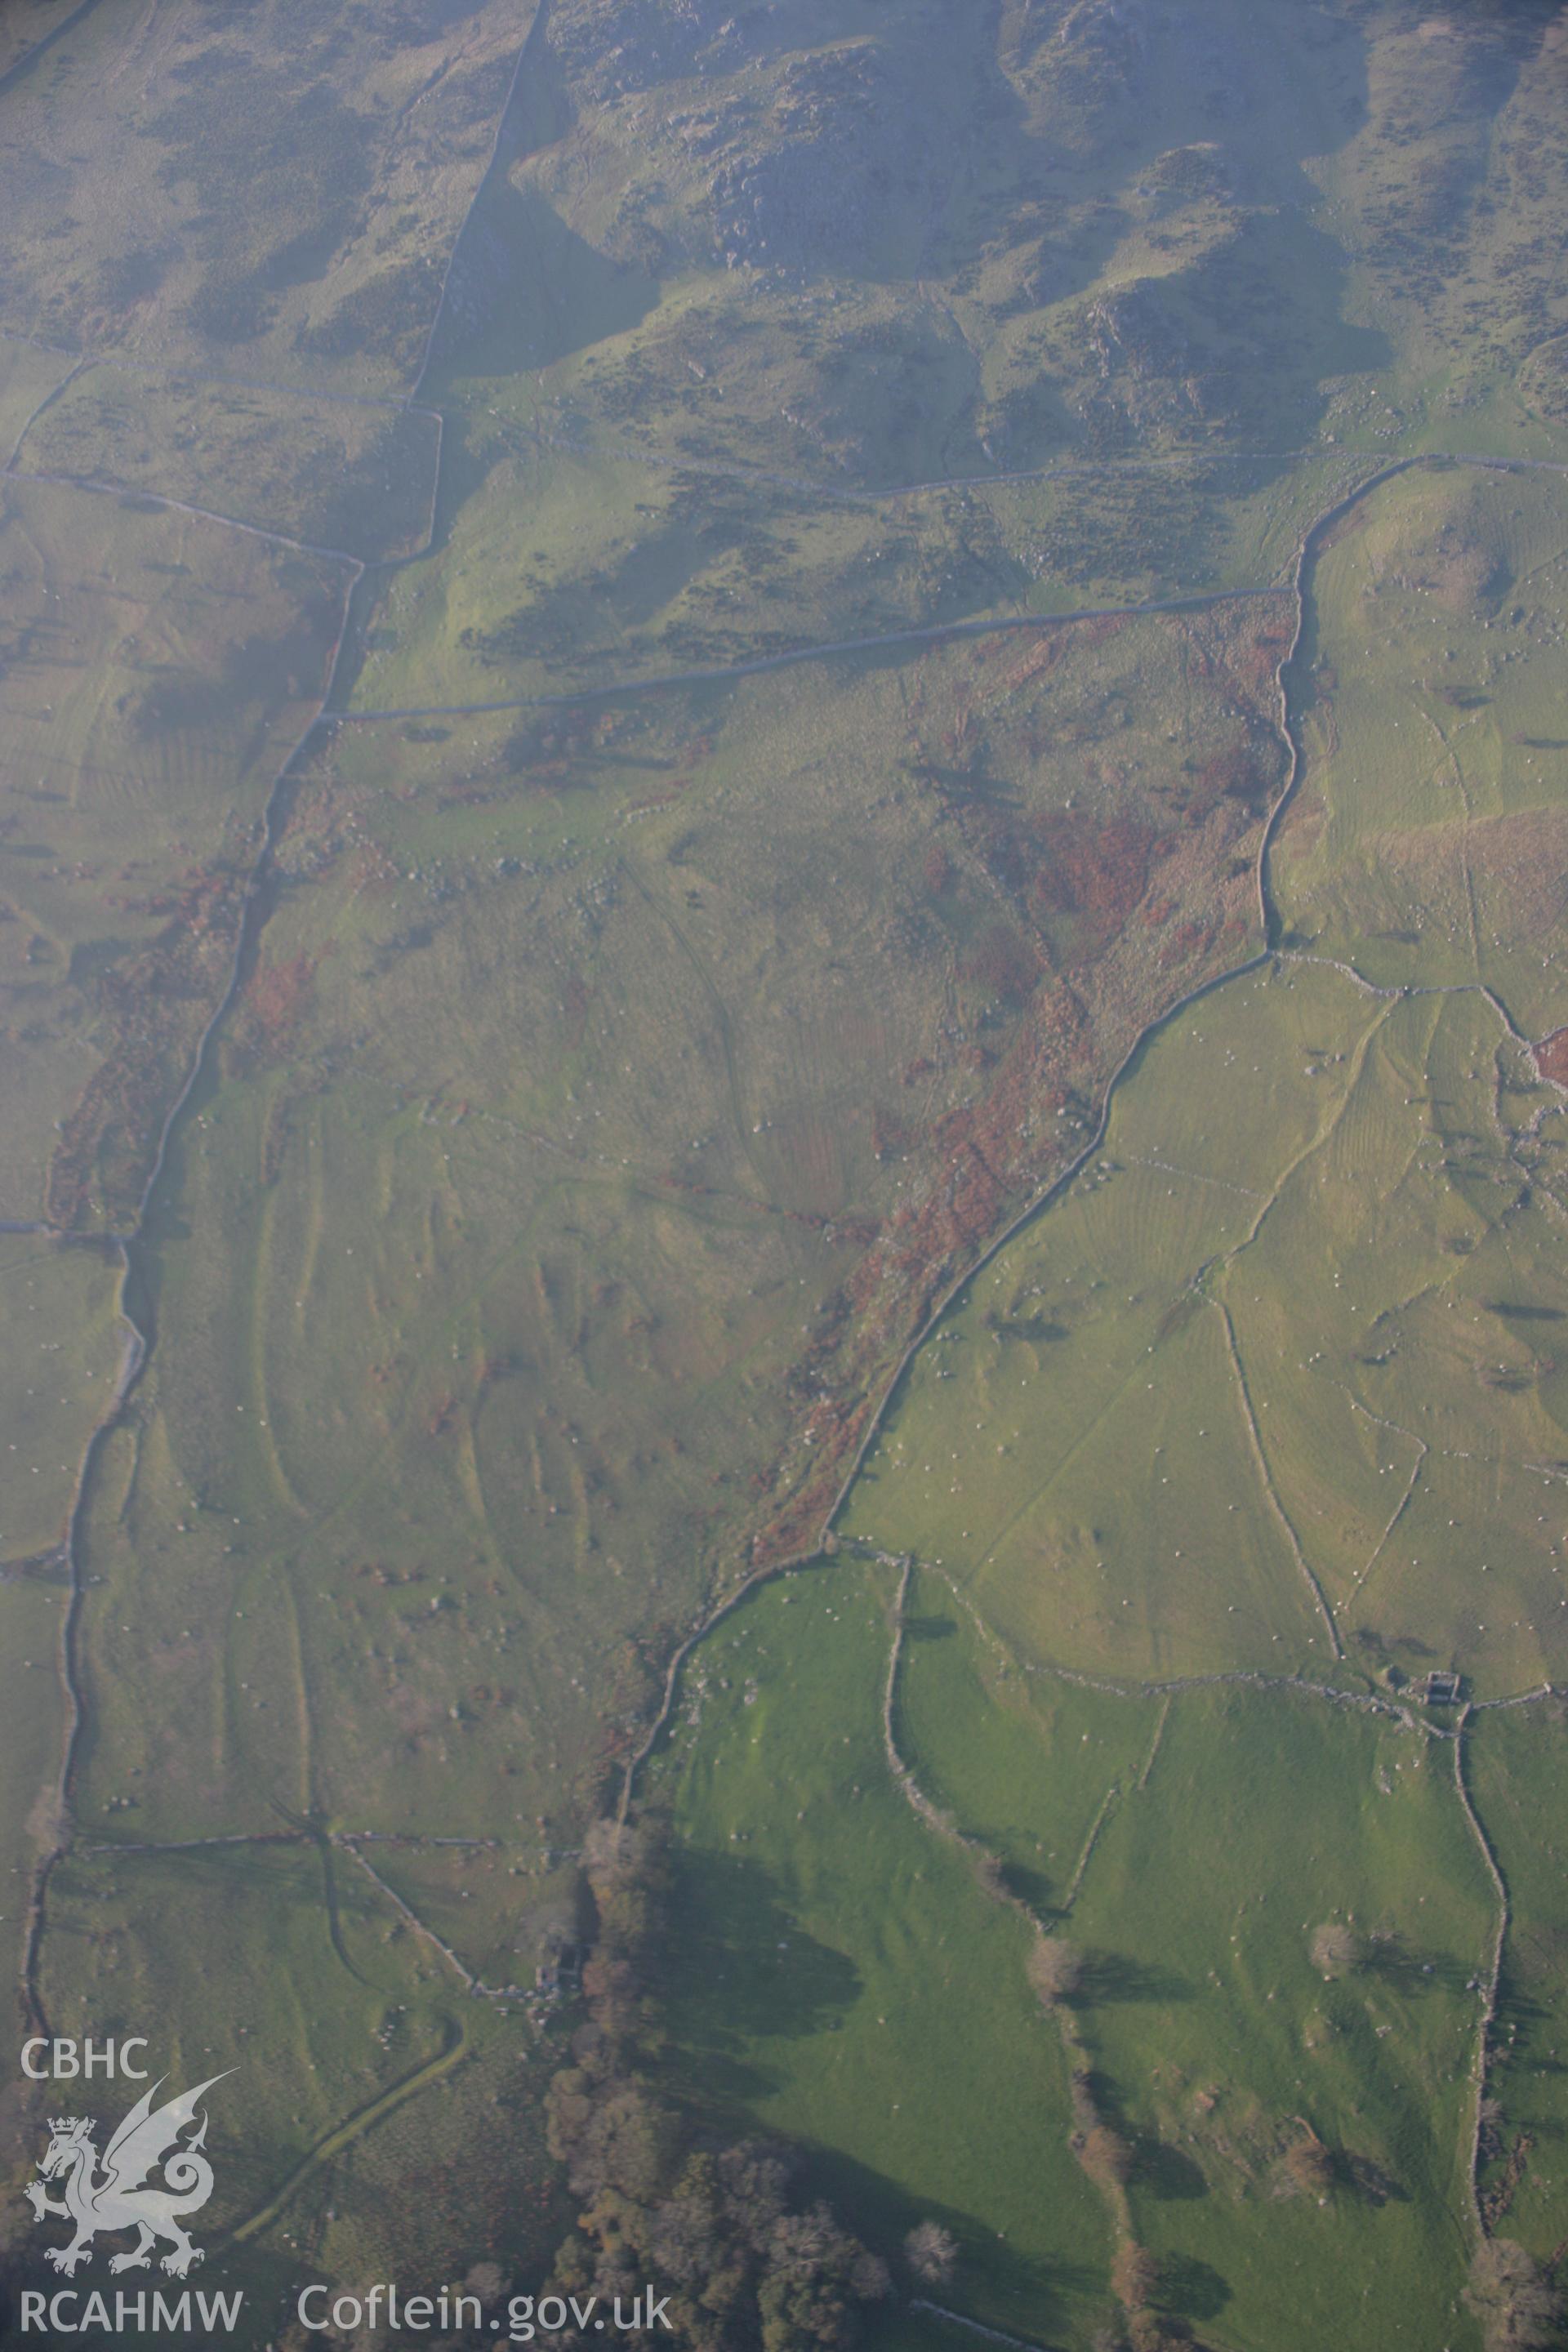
x=535, y=291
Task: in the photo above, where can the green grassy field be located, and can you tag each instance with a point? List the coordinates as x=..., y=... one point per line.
x=1517, y=1762
x=1025, y=1761
x=838, y=1975
x=1189, y=1845
x=1426, y=850
x=1272, y=1377
x=1261, y=1817
x=1356, y=1438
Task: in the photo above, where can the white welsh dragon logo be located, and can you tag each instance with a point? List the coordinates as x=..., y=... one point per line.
x=118, y=2197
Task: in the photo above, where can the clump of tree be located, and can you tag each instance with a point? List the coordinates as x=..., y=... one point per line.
x=1150, y=2331
x=1335, y=1948
x=990, y=1877
x=721, y=2233
x=1106, y=2156
x=1308, y=2167
x=747, y=2264
x=1134, y=2276
x=932, y=2252
x=1517, y=2307
x=1143, y=2331
x=626, y=1864
x=1054, y=1968
x=936, y=869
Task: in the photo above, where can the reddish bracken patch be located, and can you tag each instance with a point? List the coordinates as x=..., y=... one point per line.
x=1102, y=913
x=277, y=996
x=1003, y=962
x=937, y=869
x=1552, y=1057
x=153, y=1006
x=1090, y=867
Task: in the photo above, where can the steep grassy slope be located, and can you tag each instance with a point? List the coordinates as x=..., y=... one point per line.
x=161, y=671
x=1150, y=1440
x=1428, y=848
x=273, y=196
